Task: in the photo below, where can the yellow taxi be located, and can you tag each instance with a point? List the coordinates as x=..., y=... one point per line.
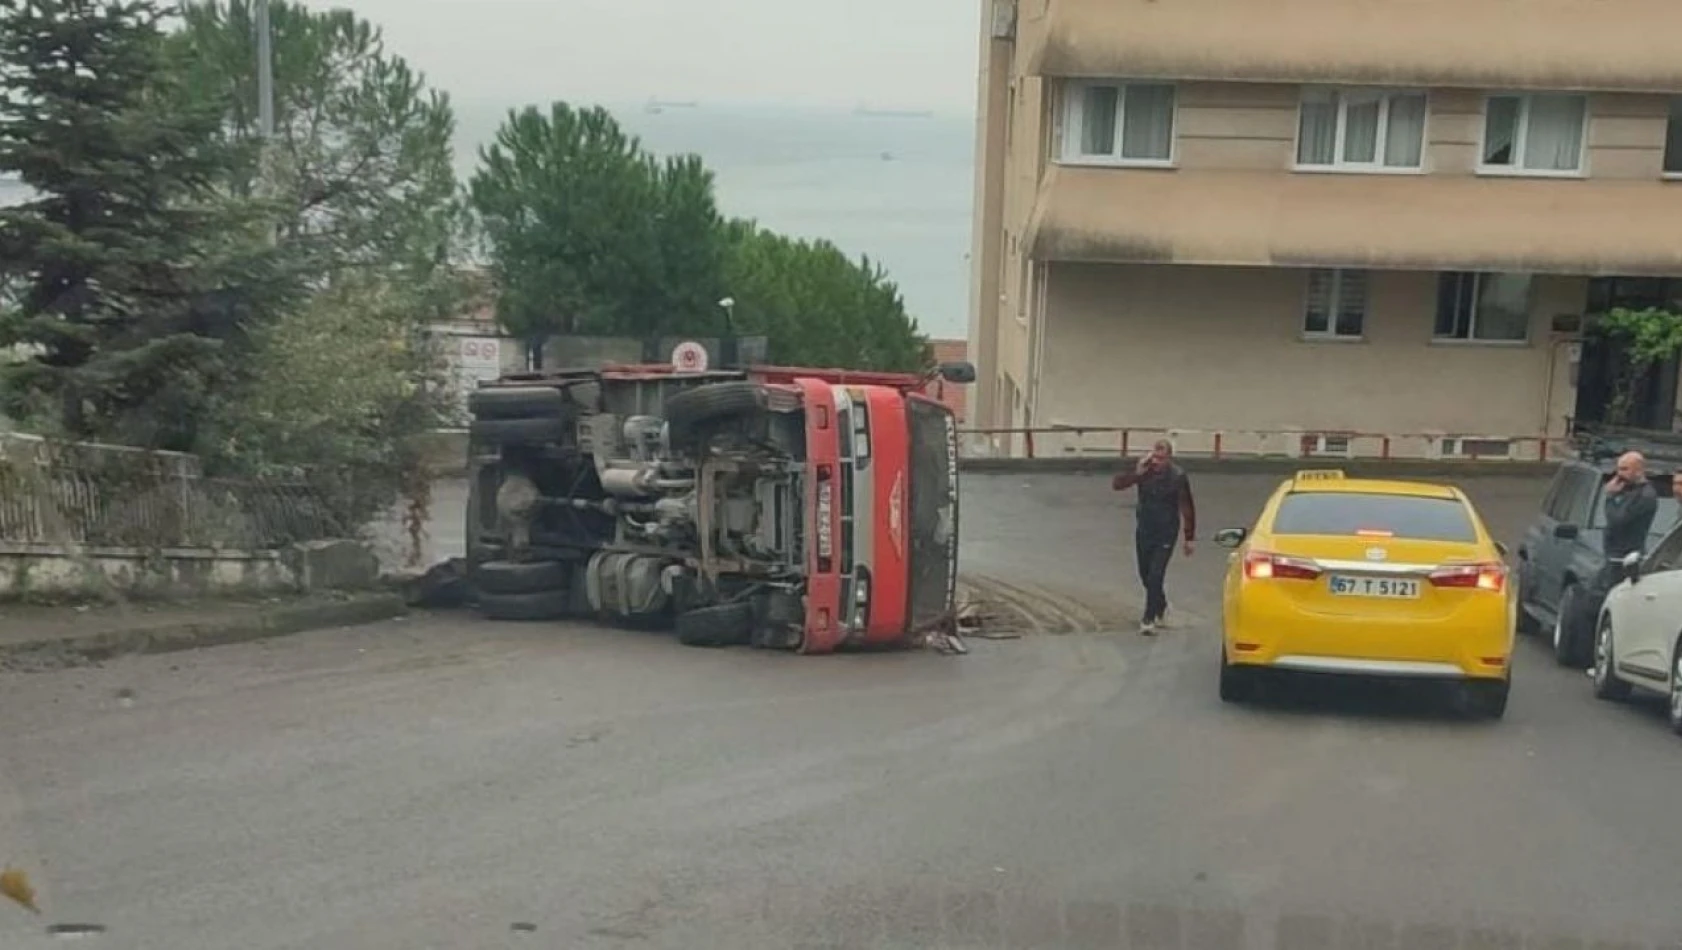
x=1365, y=577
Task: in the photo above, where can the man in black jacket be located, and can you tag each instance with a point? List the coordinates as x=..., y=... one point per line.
x=1631, y=504
x=1164, y=509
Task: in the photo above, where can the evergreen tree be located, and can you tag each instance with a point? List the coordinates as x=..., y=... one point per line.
x=117, y=276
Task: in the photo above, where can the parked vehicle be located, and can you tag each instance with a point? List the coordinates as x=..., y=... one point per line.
x=1562, y=573
x=1638, y=640
x=809, y=510
x=1362, y=577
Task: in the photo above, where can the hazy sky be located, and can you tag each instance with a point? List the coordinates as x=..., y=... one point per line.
x=917, y=54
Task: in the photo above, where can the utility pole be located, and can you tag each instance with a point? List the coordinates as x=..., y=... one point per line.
x=265, y=72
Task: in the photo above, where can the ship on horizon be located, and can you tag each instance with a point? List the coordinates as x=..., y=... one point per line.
x=864, y=110
x=657, y=105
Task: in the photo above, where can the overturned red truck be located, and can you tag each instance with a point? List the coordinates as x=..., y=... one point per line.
x=795, y=509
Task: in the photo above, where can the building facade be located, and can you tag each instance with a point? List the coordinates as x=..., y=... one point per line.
x=1319, y=221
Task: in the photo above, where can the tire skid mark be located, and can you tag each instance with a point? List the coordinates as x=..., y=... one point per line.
x=1039, y=609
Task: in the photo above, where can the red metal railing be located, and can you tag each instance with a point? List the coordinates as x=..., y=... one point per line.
x=1331, y=444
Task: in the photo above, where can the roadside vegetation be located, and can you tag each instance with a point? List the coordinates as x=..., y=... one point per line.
x=178, y=282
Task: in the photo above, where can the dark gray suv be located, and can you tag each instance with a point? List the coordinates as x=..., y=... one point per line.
x=1562, y=572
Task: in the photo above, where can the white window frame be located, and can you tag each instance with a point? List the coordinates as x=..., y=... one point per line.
x=1471, y=338
x=1522, y=135
x=1073, y=113
x=1376, y=166
x=1334, y=303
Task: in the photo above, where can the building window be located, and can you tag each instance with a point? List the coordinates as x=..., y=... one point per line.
x=1361, y=130
x=1539, y=134
x=1126, y=123
x=1337, y=305
x=1483, y=307
x=1673, y=139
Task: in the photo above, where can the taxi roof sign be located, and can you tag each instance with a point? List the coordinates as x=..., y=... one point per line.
x=1319, y=474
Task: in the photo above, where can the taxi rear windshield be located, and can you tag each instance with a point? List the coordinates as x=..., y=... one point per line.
x=1392, y=516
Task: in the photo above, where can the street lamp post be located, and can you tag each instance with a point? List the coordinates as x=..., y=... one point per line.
x=727, y=346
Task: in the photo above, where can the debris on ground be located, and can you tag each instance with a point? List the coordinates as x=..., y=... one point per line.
x=15, y=885
x=444, y=585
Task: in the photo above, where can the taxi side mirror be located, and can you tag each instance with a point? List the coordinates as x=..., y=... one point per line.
x=1231, y=537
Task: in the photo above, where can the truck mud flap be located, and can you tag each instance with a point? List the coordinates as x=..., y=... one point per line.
x=723, y=625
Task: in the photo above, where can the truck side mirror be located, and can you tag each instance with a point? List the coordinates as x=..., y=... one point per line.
x=961, y=372
x=1566, y=531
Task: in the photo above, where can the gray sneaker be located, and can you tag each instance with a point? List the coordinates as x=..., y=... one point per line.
x=1147, y=629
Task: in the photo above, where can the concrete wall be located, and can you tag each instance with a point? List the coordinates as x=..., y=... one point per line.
x=1221, y=348
x=42, y=571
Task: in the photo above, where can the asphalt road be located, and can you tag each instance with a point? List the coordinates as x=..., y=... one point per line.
x=438, y=781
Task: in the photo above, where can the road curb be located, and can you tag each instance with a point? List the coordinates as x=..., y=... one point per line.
x=1393, y=468
x=141, y=638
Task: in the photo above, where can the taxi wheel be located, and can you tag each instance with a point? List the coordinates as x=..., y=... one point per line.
x=1607, y=684
x=1487, y=699
x=1238, y=685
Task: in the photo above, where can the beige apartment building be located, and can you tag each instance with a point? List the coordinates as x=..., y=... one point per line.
x=1294, y=220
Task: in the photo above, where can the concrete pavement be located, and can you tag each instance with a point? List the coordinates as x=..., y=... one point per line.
x=435, y=782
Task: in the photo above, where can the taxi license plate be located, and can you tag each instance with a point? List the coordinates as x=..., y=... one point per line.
x=1393, y=588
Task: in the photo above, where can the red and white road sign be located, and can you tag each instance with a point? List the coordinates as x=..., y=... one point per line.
x=689, y=357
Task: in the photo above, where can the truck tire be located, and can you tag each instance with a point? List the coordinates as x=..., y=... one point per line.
x=691, y=409
x=542, y=605
x=517, y=577
x=723, y=625
x=530, y=431
x=521, y=402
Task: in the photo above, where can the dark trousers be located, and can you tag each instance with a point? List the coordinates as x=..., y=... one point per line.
x=1154, y=549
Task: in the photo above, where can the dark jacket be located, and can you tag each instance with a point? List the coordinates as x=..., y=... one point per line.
x=1629, y=516
x=1165, y=504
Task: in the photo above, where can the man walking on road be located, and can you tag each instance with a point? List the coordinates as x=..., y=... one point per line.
x=1164, y=508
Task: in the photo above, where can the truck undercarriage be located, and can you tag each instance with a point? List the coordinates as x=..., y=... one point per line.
x=654, y=499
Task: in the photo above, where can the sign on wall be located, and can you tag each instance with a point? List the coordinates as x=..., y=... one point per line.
x=689, y=357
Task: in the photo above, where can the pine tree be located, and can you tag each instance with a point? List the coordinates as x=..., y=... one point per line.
x=113, y=277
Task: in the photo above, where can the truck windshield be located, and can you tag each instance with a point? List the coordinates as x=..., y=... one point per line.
x=934, y=510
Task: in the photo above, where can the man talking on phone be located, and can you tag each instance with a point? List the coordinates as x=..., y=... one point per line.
x=1631, y=504
x=1164, y=508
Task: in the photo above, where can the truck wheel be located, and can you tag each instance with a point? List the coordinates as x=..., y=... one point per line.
x=542, y=605
x=531, y=431
x=723, y=625
x=692, y=408
x=522, y=402
x=516, y=577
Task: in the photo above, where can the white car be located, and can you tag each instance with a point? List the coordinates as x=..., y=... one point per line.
x=1638, y=643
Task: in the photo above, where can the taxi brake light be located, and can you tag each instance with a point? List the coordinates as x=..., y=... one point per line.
x=1263, y=565
x=1489, y=577
x=1374, y=533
